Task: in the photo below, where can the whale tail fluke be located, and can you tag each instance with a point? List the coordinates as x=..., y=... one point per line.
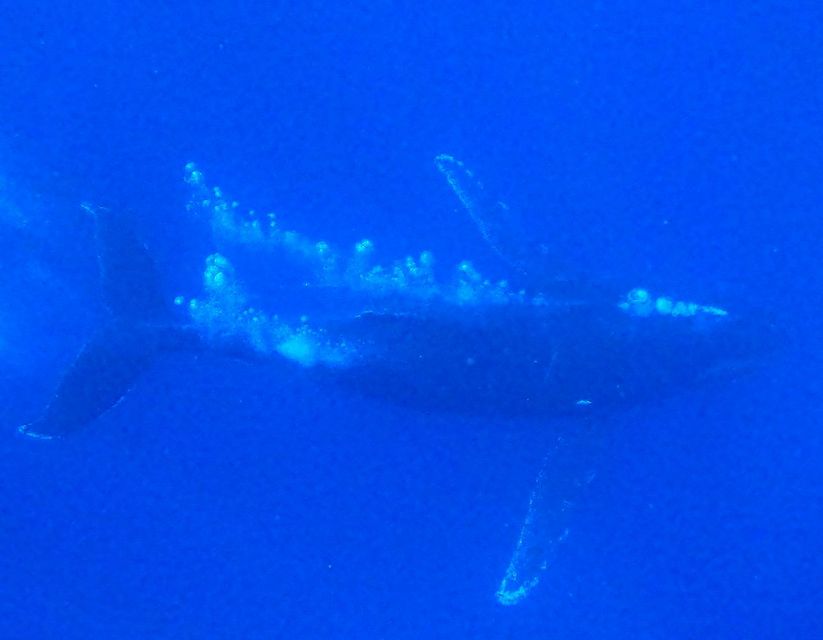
x=129, y=281
x=138, y=329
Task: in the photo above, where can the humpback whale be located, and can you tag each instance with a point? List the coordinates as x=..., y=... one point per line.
x=537, y=346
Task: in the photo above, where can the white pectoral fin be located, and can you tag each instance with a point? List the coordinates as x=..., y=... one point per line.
x=500, y=227
x=565, y=472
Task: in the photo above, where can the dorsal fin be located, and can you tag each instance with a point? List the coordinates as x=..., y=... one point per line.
x=128, y=276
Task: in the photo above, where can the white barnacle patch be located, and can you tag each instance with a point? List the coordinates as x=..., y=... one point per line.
x=639, y=302
x=714, y=311
x=664, y=306
x=683, y=309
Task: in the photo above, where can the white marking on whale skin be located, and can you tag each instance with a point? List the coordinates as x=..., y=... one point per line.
x=639, y=302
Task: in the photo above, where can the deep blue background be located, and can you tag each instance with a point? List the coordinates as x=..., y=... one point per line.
x=673, y=145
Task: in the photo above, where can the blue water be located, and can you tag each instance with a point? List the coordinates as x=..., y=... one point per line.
x=672, y=146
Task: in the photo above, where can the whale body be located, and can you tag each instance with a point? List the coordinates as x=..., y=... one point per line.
x=403, y=333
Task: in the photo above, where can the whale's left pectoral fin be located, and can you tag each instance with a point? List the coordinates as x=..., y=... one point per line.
x=533, y=263
x=567, y=469
x=500, y=227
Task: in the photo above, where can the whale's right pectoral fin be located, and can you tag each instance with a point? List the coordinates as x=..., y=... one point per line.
x=566, y=471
